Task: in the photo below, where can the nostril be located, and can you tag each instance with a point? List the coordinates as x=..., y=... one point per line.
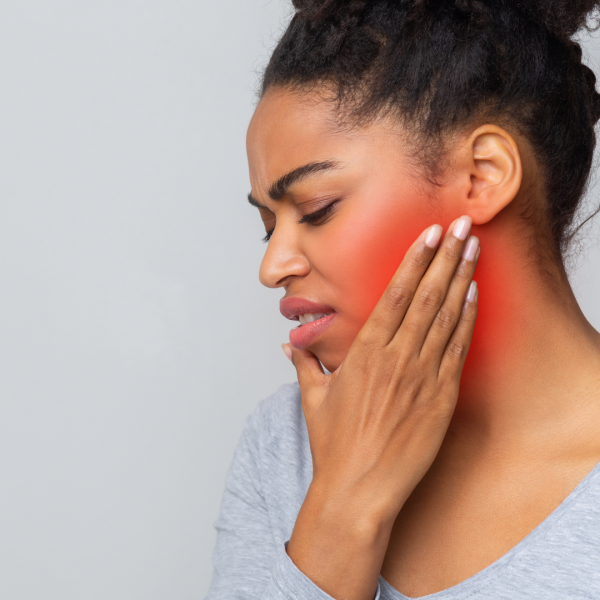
x=278, y=266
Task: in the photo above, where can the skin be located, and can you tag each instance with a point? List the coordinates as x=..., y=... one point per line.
x=520, y=423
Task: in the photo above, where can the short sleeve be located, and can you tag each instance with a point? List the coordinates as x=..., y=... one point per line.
x=247, y=563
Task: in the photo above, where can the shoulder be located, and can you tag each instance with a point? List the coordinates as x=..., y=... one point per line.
x=274, y=437
x=281, y=449
x=278, y=417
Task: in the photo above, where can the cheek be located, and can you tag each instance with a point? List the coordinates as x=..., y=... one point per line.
x=365, y=246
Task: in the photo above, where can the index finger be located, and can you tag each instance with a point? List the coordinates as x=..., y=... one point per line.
x=384, y=321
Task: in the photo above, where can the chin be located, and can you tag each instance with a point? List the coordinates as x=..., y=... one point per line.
x=330, y=358
x=332, y=350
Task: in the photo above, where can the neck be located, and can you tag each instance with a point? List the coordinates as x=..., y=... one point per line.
x=533, y=369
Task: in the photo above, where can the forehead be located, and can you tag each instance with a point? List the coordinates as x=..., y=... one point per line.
x=289, y=130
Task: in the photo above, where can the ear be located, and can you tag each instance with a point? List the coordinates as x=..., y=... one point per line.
x=491, y=160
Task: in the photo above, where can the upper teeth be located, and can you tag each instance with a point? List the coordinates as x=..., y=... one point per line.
x=310, y=317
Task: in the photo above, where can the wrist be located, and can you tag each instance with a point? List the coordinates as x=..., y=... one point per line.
x=338, y=543
x=362, y=515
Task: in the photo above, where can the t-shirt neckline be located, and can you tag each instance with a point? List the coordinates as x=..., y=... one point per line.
x=489, y=573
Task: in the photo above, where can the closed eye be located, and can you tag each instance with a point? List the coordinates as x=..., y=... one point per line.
x=311, y=219
x=314, y=218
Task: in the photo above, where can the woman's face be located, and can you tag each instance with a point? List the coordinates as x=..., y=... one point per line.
x=378, y=205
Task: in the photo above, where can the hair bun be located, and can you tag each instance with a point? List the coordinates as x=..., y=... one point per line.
x=564, y=18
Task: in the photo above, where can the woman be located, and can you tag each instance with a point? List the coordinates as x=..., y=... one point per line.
x=407, y=471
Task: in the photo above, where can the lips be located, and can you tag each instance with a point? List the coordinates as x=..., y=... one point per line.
x=291, y=307
x=303, y=336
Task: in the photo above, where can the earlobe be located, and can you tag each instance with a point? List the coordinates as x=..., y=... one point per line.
x=495, y=170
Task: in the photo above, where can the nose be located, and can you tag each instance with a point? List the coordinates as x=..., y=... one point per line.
x=282, y=260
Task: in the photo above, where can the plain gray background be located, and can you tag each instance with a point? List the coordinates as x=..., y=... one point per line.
x=134, y=334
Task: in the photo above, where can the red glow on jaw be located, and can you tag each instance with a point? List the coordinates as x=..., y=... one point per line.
x=358, y=257
x=363, y=256
x=369, y=251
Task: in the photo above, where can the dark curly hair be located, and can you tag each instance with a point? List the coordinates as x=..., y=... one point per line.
x=442, y=64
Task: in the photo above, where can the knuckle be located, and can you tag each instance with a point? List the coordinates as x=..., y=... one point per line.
x=445, y=319
x=464, y=271
x=452, y=251
x=430, y=297
x=399, y=296
x=419, y=259
x=455, y=350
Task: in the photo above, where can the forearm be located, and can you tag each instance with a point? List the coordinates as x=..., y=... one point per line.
x=339, y=543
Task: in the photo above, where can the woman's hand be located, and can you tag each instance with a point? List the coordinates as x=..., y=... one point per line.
x=376, y=424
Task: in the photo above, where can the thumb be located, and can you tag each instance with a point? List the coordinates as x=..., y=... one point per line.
x=309, y=369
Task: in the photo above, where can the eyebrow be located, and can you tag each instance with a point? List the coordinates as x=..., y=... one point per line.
x=280, y=187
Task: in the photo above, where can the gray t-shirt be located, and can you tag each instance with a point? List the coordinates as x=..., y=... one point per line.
x=266, y=485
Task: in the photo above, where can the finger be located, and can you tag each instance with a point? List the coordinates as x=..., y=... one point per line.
x=308, y=368
x=449, y=313
x=384, y=320
x=455, y=352
x=433, y=287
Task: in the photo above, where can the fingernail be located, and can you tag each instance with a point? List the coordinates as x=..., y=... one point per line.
x=470, y=249
x=462, y=228
x=433, y=236
x=471, y=294
x=287, y=350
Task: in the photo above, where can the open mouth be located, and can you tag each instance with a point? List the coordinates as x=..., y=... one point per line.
x=311, y=317
x=314, y=318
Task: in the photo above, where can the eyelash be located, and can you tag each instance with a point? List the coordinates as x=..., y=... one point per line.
x=311, y=218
